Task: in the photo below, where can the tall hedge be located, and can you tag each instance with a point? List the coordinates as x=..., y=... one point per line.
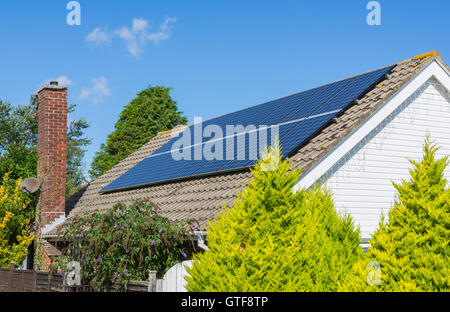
x=151, y=112
x=275, y=240
x=410, y=251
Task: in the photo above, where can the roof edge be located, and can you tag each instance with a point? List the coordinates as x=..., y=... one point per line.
x=318, y=170
x=428, y=54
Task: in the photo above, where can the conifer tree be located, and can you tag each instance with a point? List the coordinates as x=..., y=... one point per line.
x=275, y=240
x=411, y=248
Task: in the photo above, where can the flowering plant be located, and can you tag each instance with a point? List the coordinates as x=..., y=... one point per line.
x=15, y=219
x=124, y=244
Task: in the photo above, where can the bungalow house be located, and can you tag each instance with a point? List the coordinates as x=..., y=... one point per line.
x=355, y=135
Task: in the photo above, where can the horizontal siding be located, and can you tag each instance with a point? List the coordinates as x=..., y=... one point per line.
x=362, y=185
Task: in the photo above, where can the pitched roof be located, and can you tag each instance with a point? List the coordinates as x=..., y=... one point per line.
x=201, y=198
x=49, y=249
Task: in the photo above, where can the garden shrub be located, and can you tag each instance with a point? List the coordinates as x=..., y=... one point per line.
x=15, y=217
x=274, y=240
x=124, y=244
x=411, y=248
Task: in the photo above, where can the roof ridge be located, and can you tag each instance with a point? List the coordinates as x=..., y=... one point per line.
x=428, y=54
x=176, y=128
x=282, y=97
x=424, y=55
x=322, y=85
x=432, y=54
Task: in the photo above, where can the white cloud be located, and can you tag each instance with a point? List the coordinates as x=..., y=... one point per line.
x=85, y=93
x=99, y=36
x=164, y=32
x=98, y=92
x=136, y=37
x=139, y=25
x=131, y=40
x=62, y=81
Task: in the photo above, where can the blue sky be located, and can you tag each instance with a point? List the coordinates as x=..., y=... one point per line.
x=218, y=56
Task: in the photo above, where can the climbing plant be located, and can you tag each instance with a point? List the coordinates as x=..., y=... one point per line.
x=124, y=244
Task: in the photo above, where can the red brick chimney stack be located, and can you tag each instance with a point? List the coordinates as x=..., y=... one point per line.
x=52, y=152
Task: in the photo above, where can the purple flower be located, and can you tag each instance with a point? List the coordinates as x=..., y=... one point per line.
x=126, y=273
x=127, y=250
x=99, y=259
x=116, y=274
x=184, y=254
x=160, y=231
x=153, y=242
x=123, y=226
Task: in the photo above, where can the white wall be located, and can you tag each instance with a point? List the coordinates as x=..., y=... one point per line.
x=362, y=179
x=173, y=280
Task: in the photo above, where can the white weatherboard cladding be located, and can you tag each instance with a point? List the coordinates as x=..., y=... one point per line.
x=362, y=180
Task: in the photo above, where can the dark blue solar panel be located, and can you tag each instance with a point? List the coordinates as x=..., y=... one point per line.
x=300, y=132
x=307, y=108
x=358, y=86
x=298, y=117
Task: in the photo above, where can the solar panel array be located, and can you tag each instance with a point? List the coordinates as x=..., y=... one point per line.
x=298, y=117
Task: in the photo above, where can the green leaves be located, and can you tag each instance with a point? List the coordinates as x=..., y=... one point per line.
x=76, y=141
x=15, y=217
x=125, y=244
x=275, y=240
x=412, y=247
x=18, y=140
x=151, y=112
x=18, y=144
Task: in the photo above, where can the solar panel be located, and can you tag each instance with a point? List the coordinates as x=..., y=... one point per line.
x=296, y=119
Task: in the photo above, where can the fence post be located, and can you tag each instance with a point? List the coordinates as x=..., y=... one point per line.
x=65, y=288
x=11, y=275
x=36, y=273
x=152, y=281
x=35, y=277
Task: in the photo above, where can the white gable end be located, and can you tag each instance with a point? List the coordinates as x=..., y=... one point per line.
x=360, y=171
x=362, y=181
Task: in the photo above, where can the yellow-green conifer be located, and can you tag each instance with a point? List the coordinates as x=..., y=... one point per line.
x=275, y=240
x=410, y=251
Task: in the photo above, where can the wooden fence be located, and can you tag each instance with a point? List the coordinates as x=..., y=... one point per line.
x=12, y=280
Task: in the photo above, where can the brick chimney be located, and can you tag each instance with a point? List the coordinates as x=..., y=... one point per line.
x=52, y=152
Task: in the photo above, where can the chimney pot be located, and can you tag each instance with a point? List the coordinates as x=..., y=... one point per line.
x=54, y=83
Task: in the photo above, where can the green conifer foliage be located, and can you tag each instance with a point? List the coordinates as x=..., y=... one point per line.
x=275, y=240
x=411, y=248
